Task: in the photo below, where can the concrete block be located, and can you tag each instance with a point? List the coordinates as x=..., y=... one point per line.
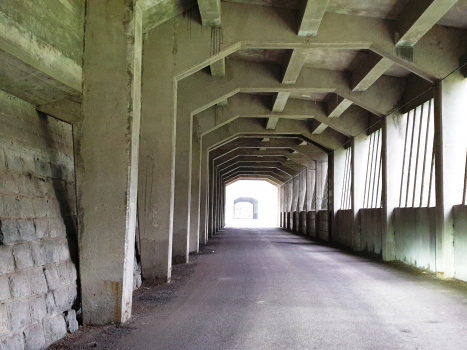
x=63, y=250
x=8, y=231
x=10, y=206
x=72, y=271
x=34, y=337
x=38, y=309
x=25, y=207
x=2, y=161
x=22, y=256
x=19, y=286
x=52, y=277
x=50, y=304
x=71, y=322
x=42, y=227
x=2, y=209
x=52, y=252
x=64, y=274
x=54, y=328
x=15, y=342
x=57, y=227
x=53, y=210
x=4, y=324
x=19, y=315
x=42, y=168
x=39, y=186
x=40, y=207
x=38, y=253
x=37, y=281
x=13, y=160
x=26, y=228
x=9, y=183
x=28, y=163
x=4, y=288
x=26, y=186
x=7, y=264
x=65, y=298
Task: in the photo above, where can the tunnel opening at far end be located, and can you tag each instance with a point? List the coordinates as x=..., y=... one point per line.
x=251, y=203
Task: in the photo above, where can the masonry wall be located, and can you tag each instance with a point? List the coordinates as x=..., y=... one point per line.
x=38, y=235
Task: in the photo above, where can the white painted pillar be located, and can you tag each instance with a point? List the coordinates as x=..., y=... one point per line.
x=450, y=149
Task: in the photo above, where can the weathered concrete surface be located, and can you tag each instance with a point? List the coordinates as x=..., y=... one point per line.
x=415, y=236
x=267, y=289
x=107, y=142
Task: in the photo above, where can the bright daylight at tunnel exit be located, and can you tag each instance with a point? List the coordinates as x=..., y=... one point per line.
x=233, y=174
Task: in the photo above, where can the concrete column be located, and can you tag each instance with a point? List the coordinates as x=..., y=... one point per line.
x=450, y=148
x=203, y=207
x=296, y=197
x=106, y=144
x=301, y=203
x=359, y=166
x=183, y=178
x=392, y=148
x=195, y=238
x=339, y=160
x=290, y=204
x=311, y=205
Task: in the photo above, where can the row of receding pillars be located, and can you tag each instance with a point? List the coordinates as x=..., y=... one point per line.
x=302, y=198
x=107, y=161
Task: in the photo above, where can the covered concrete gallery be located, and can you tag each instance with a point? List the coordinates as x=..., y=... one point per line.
x=121, y=123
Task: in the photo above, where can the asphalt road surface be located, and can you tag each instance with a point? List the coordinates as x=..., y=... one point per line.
x=270, y=289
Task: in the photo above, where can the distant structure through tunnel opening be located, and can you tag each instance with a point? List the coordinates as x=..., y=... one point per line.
x=240, y=211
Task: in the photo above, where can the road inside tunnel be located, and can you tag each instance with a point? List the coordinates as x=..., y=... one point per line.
x=270, y=289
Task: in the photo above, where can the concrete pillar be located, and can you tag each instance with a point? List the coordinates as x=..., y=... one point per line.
x=450, y=148
x=290, y=204
x=106, y=144
x=339, y=162
x=301, y=202
x=296, y=197
x=195, y=202
x=392, y=153
x=311, y=202
x=203, y=205
x=359, y=167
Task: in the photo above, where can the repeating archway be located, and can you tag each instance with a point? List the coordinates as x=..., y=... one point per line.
x=249, y=200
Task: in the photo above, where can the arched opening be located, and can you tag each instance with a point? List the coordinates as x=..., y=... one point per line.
x=251, y=203
x=246, y=208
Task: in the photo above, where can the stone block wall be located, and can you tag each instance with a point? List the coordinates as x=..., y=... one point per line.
x=38, y=235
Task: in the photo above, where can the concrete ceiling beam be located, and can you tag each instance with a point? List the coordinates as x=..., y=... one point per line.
x=337, y=106
x=218, y=68
x=273, y=165
x=252, y=77
x=249, y=146
x=320, y=129
x=210, y=12
x=271, y=180
x=272, y=123
x=279, y=101
x=369, y=71
x=329, y=140
x=352, y=122
x=293, y=65
x=259, y=171
x=156, y=12
x=418, y=17
x=310, y=16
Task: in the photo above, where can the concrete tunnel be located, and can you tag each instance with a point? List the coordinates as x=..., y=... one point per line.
x=122, y=123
